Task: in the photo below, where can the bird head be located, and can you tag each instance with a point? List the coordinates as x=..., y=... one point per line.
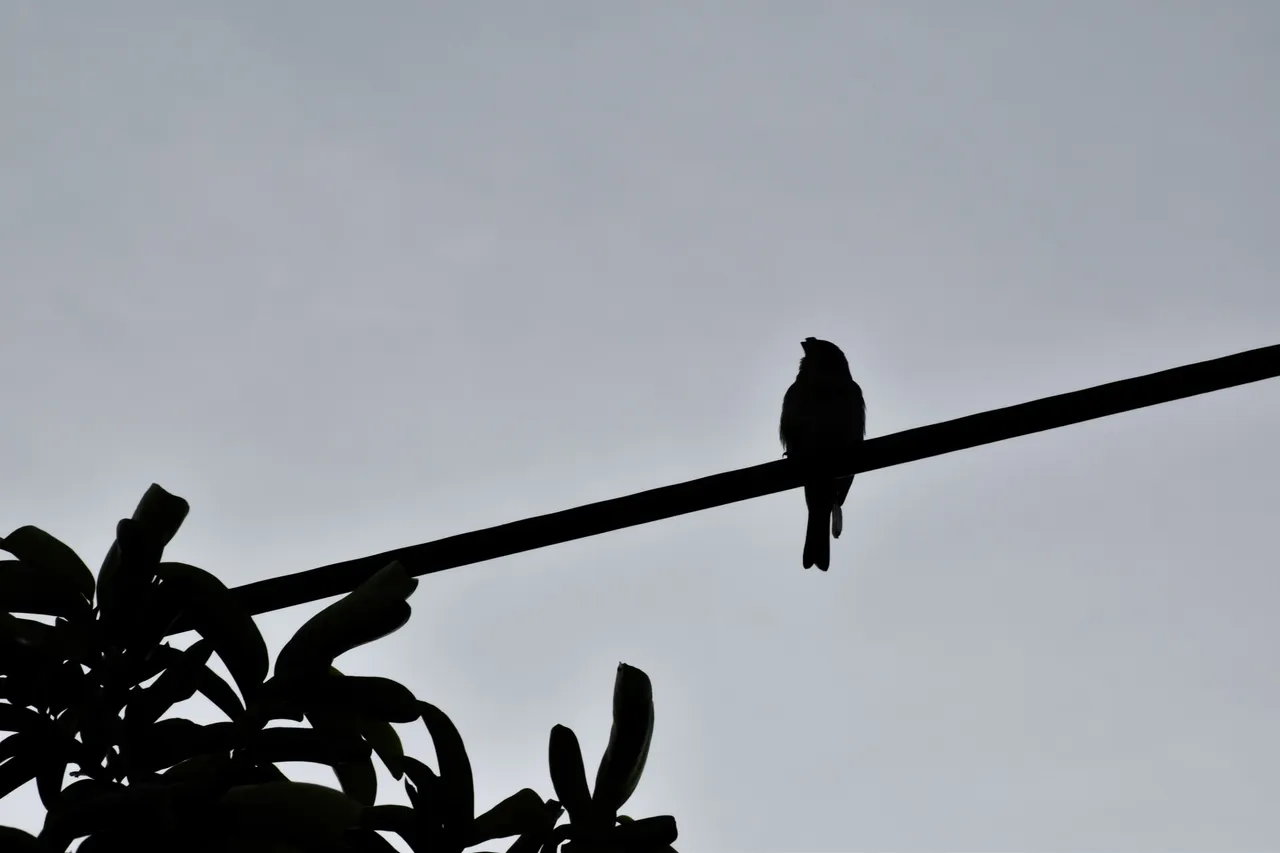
x=822, y=354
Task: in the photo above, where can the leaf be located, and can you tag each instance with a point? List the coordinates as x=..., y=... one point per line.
x=16, y=772
x=299, y=812
x=519, y=813
x=244, y=773
x=161, y=513
x=34, y=677
x=177, y=683
x=43, y=748
x=88, y=807
x=16, y=841
x=135, y=613
x=84, y=790
x=629, y=738
x=152, y=613
x=15, y=719
x=425, y=790
x=536, y=838
x=274, y=745
x=568, y=775
x=49, y=779
x=455, y=771
x=77, y=639
x=27, y=588
x=218, y=616
x=214, y=688
x=99, y=728
x=138, y=667
x=402, y=820
x=647, y=833
x=45, y=553
x=372, y=610
x=172, y=741
x=66, y=686
x=9, y=746
x=378, y=698
x=154, y=523
x=28, y=633
x=558, y=836
x=385, y=741
x=108, y=842
x=378, y=734
x=358, y=779
x=206, y=766
x=368, y=841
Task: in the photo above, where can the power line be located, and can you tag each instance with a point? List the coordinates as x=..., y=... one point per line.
x=759, y=480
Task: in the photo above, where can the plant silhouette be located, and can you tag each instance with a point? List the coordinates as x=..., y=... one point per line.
x=90, y=693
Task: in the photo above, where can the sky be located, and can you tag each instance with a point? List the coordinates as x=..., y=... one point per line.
x=350, y=277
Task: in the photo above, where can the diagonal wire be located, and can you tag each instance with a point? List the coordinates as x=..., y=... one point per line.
x=746, y=483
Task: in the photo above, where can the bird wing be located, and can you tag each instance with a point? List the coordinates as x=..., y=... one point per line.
x=789, y=426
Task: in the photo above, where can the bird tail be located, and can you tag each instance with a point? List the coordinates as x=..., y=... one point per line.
x=837, y=521
x=817, y=543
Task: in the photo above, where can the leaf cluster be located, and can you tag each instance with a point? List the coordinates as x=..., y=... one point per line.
x=90, y=696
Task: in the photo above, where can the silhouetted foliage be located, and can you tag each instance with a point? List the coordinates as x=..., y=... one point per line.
x=90, y=694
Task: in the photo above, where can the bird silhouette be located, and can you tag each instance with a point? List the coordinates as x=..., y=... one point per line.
x=823, y=417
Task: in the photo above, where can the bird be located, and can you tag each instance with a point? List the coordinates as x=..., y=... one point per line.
x=823, y=416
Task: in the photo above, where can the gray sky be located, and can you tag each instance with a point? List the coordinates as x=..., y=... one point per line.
x=356, y=276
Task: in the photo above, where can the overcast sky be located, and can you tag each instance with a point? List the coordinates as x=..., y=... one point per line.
x=350, y=277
